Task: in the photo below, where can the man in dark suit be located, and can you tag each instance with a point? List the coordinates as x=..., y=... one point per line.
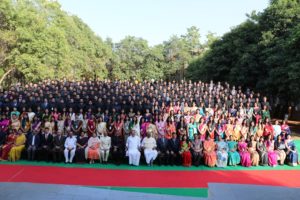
x=174, y=147
x=33, y=142
x=58, y=147
x=46, y=144
x=163, y=151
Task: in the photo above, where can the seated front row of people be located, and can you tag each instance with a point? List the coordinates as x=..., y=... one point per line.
x=220, y=153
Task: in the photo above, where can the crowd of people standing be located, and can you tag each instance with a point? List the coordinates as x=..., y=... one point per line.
x=169, y=123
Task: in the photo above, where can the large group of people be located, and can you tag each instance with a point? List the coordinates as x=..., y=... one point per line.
x=168, y=123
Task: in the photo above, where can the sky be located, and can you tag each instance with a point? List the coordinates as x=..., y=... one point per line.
x=157, y=20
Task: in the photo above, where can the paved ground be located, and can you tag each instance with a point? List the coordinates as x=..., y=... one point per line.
x=25, y=191
x=251, y=192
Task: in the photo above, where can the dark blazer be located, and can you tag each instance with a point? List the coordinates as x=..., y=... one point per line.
x=59, y=141
x=162, y=144
x=37, y=140
x=174, y=145
x=48, y=142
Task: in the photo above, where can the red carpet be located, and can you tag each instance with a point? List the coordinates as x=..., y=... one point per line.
x=140, y=178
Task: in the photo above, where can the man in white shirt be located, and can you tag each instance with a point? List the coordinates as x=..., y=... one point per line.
x=149, y=146
x=105, y=144
x=70, y=147
x=133, y=149
x=277, y=129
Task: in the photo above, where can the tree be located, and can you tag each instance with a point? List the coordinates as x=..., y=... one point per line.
x=262, y=53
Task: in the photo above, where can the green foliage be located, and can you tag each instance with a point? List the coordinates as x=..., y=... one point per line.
x=262, y=53
x=50, y=43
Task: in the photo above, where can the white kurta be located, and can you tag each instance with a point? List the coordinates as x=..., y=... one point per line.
x=149, y=144
x=70, y=143
x=101, y=128
x=105, y=144
x=133, y=145
x=137, y=129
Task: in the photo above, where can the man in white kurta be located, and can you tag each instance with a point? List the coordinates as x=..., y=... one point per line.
x=70, y=147
x=149, y=146
x=133, y=149
x=105, y=144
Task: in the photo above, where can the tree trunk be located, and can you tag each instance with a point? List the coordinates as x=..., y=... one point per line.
x=4, y=75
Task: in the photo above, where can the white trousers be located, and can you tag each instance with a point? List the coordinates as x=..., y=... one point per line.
x=150, y=154
x=72, y=154
x=134, y=157
x=104, y=154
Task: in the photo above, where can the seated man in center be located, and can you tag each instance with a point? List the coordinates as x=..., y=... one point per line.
x=149, y=146
x=133, y=149
x=70, y=147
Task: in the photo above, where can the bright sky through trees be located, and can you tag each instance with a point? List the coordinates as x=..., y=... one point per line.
x=157, y=20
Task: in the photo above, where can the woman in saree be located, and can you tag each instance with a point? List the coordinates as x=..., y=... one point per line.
x=285, y=128
x=15, y=122
x=135, y=125
x=143, y=125
x=220, y=129
x=186, y=155
x=222, y=152
x=291, y=151
x=18, y=147
x=262, y=151
x=210, y=156
x=253, y=129
x=229, y=128
x=82, y=142
x=260, y=130
x=60, y=124
x=211, y=128
x=280, y=147
x=197, y=147
x=91, y=126
x=76, y=126
x=110, y=126
x=118, y=126
x=25, y=123
x=191, y=129
x=245, y=130
x=202, y=128
x=93, y=148
x=126, y=127
x=10, y=140
x=202, y=109
x=244, y=153
x=233, y=155
x=252, y=150
x=170, y=128
x=272, y=155
x=181, y=127
x=4, y=124
x=269, y=130
x=237, y=131
x=265, y=113
x=152, y=128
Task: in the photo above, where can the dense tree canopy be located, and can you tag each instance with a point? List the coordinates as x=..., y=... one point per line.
x=43, y=41
x=262, y=53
